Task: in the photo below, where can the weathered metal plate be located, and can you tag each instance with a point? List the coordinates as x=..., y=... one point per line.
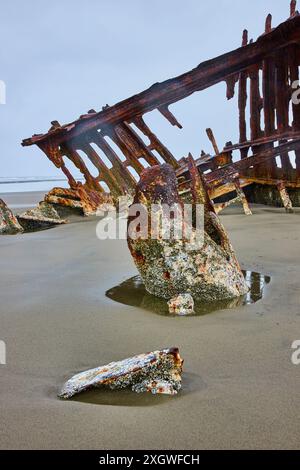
x=158, y=372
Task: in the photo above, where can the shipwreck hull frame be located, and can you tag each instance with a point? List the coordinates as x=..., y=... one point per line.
x=266, y=70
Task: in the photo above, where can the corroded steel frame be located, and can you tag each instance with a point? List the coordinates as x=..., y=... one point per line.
x=267, y=67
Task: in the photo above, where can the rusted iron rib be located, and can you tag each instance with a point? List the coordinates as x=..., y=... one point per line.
x=221, y=173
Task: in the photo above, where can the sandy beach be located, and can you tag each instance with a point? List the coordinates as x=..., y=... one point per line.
x=240, y=388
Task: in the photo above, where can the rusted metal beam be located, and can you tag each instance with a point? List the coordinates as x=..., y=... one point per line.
x=242, y=101
x=155, y=143
x=230, y=85
x=287, y=203
x=282, y=104
x=198, y=186
x=212, y=139
x=241, y=195
x=293, y=5
x=120, y=137
x=268, y=87
x=227, y=170
x=125, y=179
x=54, y=154
x=290, y=135
x=164, y=110
x=294, y=61
x=72, y=154
x=271, y=182
x=104, y=173
x=255, y=103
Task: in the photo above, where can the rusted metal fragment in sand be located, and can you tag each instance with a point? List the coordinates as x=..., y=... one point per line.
x=156, y=372
x=207, y=269
x=9, y=224
x=42, y=216
x=86, y=201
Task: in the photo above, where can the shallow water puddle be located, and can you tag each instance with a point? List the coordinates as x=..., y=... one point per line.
x=132, y=292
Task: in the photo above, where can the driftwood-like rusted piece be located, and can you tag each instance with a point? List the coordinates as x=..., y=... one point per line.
x=86, y=201
x=120, y=145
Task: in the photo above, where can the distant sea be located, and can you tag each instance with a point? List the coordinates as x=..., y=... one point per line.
x=15, y=184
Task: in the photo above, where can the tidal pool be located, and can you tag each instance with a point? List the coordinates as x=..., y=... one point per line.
x=132, y=292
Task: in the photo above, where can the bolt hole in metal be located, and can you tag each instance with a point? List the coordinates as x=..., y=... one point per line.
x=132, y=292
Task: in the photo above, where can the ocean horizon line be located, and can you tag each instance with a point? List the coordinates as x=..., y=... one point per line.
x=31, y=179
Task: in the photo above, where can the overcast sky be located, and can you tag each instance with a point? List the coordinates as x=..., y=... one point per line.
x=60, y=58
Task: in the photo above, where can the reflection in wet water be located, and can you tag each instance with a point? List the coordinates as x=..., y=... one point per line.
x=133, y=292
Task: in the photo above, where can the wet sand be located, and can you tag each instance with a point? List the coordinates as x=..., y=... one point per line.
x=240, y=389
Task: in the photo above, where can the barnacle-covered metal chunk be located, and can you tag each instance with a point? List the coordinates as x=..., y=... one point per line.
x=169, y=266
x=42, y=216
x=8, y=222
x=156, y=372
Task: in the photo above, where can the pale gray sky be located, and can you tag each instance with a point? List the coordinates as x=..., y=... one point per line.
x=60, y=58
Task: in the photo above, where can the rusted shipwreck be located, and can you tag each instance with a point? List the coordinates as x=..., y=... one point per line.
x=268, y=67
